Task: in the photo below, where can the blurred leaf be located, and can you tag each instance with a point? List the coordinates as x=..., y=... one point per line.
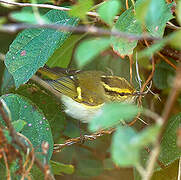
x=90, y=48
x=122, y=150
x=81, y=8
x=169, y=149
x=127, y=144
x=62, y=56
x=37, y=129
x=141, y=8
x=32, y=47
x=28, y=17
x=148, y=52
x=163, y=76
x=126, y=23
x=111, y=114
x=178, y=12
x=146, y=136
x=175, y=39
x=59, y=168
x=18, y=125
x=158, y=14
x=7, y=83
x=108, y=11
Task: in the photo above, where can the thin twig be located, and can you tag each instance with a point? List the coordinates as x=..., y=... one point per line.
x=16, y=139
x=7, y=166
x=13, y=28
x=93, y=14
x=70, y=142
x=30, y=155
x=166, y=60
x=151, y=162
x=131, y=68
x=179, y=170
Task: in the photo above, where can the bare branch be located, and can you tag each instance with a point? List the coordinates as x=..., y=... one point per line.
x=13, y=28
x=78, y=140
x=48, y=6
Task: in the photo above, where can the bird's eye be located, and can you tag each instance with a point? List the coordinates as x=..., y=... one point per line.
x=121, y=94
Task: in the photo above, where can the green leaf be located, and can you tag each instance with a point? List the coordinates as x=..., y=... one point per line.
x=32, y=48
x=169, y=149
x=178, y=12
x=48, y=104
x=108, y=11
x=175, y=39
x=111, y=114
x=147, y=136
x=141, y=8
x=163, y=76
x=123, y=151
x=81, y=8
x=158, y=14
x=8, y=82
x=128, y=23
x=28, y=17
x=37, y=129
x=127, y=144
x=89, y=49
x=19, y=125
x=62, y=56
x=59, y=168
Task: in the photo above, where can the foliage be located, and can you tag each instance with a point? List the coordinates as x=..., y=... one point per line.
x=111, y=36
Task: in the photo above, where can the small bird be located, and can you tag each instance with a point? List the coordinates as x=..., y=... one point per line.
x=84, y=92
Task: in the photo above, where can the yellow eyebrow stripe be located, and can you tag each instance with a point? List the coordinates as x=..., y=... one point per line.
x=118, y=90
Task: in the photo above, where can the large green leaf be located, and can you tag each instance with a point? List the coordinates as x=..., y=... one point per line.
x=37, y=129
x=122, y=150
x=32, y=48
x=128, y=23
x=48, y=104
x=158, y=14
x=127, y=144
x=169, y=149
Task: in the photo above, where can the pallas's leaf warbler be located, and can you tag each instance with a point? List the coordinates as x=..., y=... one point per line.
x=84, y=92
